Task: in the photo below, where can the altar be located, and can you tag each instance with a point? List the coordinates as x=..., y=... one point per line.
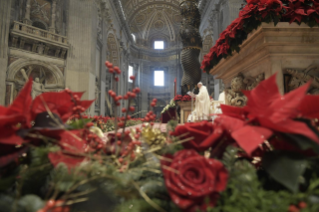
x=186, y=109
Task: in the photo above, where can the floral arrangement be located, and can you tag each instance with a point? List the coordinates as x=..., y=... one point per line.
x=262, y=157
x=181, y=98
x=170, y=105
x=252, y=15
x=106, y=123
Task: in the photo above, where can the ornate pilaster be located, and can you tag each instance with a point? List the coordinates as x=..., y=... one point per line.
x=26, y=19
x=53, y=16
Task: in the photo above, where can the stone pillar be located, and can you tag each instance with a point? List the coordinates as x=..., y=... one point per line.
x=79, y=74
x=26, y=19
x=5, y=8
x=53, y=16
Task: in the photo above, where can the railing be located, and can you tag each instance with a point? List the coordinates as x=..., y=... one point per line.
x=27, y=29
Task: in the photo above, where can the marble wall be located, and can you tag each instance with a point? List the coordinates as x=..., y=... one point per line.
x=88, y=33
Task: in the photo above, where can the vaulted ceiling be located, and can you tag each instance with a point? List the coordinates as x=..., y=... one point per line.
x=153, y=19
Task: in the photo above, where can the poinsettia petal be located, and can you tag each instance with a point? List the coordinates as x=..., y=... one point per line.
x=287, y=106
x=262, y=96
x=236, y=112
x=3, y=110
x=22, y=103
x=72, y=142
x=70, y=161
x=309, y=106
x=229, y=124
x=290, y=126
x=250, y=137
x=300, y=11
x=59, y=102
x=9, y=136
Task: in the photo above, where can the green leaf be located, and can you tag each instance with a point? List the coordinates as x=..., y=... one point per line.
x=31, y=203
x=285, y=167
x=302, y=142
x=79, y=124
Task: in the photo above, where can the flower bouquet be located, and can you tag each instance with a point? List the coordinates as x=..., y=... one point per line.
x=263, y=157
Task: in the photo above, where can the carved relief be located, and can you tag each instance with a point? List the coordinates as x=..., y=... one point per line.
x=234, y=95
x=41, y=9
x=300, y=78
x=44, y=80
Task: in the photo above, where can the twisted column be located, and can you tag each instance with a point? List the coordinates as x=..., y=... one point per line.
x=192, y=44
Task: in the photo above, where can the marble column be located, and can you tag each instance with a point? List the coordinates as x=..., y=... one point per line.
x=26, y=19
x=53, y=16
x=5, y=6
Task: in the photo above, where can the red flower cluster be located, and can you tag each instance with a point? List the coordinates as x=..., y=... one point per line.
x=184, y=98
x=195, y=180
x=48, y=112
x=260, y=11
x=178, y=98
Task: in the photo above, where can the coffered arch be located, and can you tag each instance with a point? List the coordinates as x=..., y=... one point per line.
x=149, y=18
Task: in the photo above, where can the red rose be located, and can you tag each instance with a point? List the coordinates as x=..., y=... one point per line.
x=195, y=180
x=204, y=134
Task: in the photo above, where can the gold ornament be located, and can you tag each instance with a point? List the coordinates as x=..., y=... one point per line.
x=153, y=137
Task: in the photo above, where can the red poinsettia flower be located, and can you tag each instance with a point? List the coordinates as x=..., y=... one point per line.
x=12, y=119
x=178, y=98
x=60, y=103
x=295, y=12
x=270, y=112
x=277, y=112
x=72, y=149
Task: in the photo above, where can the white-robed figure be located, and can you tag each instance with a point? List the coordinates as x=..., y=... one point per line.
x=202, y=104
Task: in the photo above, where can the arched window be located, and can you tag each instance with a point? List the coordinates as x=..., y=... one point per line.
x=159, y=44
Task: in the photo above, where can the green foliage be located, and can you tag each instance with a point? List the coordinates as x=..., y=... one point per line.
x=245, y=191
x=78, y=123
x=285, y=167
x=34, y=176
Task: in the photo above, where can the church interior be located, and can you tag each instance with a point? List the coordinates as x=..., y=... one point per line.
x=159, y=105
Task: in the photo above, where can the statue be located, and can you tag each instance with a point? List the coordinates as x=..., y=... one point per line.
x=234, y=94
x=40, y=48
x=37, y=86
